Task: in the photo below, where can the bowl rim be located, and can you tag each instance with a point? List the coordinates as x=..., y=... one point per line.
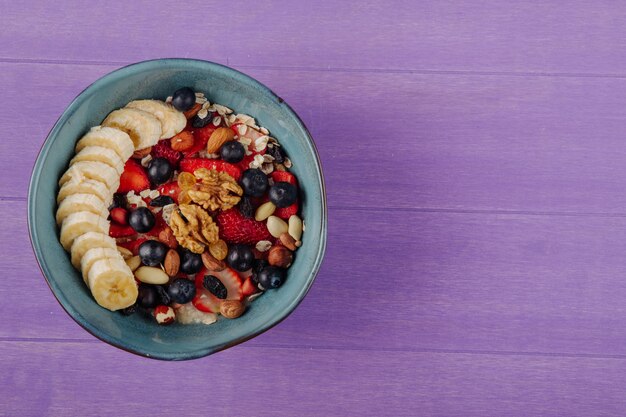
x=32, y=199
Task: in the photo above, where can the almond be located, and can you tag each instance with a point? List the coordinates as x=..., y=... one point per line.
x=171, y=263
x=220, y=136
x=276, y=226
x=141, y=153
x=151, y=275
x=264, y=211
x=167, y=236
x=231, y=309
x=295, y=227
x=182, y=142
x=211, y=263
x=193, y=111
x=280, y=256
x=288, y=241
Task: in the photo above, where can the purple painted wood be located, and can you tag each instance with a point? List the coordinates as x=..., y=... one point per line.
x=474, y=157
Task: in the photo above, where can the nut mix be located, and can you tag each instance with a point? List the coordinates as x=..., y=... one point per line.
x=204, y=213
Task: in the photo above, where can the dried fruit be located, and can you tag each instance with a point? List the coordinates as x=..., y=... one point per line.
x=182, y=142
x=231, y=309
x=219, y=250
x=171, y=263
x=280, y=256
x=186, y=180
x=220, y=136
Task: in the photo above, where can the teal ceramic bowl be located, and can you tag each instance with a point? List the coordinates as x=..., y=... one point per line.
x=158, y=79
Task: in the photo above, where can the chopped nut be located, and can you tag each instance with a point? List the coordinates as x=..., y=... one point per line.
x=220, y=136
x=171, y=263
x=139, y=154
x=167, y=236
x=231, y=309
x=193, y=227
x=211, y=263
x=280, y=256
x=216, y=191
x=182, y=141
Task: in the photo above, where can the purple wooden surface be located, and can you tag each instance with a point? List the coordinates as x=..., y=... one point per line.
x=474, y=156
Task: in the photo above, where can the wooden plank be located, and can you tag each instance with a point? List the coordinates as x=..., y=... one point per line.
x=405, y=140
x=500, y=36
x=49, y=379
x=411, y=280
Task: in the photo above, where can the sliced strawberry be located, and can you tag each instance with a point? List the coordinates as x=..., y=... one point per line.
x=116, y=231
x=163, y=149
x=159, y=225
x=192, y=164
x=201, y=137
x=229, y=277
x=235, y=228
x=133, y=245
x=205, y=301
x=134, y=178
x=170, y=189
x=284, y=176
x=286, y=212
x=119, y=216
x=248, y=287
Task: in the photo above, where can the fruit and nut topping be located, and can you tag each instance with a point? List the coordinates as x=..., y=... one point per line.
x=188, y=214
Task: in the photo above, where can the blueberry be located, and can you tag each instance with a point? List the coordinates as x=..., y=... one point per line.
x=148, y=296
x=141, y=219
x=232, y=151
x=254, y=182
x=129, y=311
x=160, y=170
x=246, y=208
x=190, y=262
x=119, y=200
x=182, y=290
x=198, y=121
x=162, y=200
x=283, y=194
x=271, y=277
x=215, y=286
x=152, y=252
x=240, y=257
x=257, y=266
x=164, y=297
x=183, y=99
x=277, y=153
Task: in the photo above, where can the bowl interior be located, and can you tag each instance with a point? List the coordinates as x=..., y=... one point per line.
x=158, y=79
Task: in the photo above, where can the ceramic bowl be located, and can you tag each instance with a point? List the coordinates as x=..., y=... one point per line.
x=158, y=79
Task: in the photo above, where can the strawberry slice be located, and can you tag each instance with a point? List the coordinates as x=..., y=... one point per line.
x=119, y=216
x=205, y=301
x=192, y=164
x=229, y=277
x=286, y=212
x=248, y=288
x=116, y=230
x=133, y=178
x=201, y=137
x=235, y=228
x=284, y=176
x=159, y=225
x=170, y=189
x=133, y=245
x=163, y=149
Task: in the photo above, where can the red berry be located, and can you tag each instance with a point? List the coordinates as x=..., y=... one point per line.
x=205, y=301
x=235, y=228
x=170, y=189
x=134, y=178
x=163, y=149
x=119, y=216
x=192, y=164
x=201, y=137
x=116, y=231
x=286, y=212
x=284, y=176
x=248, y=287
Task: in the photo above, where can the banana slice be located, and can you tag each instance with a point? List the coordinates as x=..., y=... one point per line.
x=94, y=171
x=95, y=254
x=108, y=137
x=112, y=284
x=81, y=202
x=100, y=154
x=79, y=223
x=172, y=121
x=76, y=186
x=143, y=128
x=88, y=241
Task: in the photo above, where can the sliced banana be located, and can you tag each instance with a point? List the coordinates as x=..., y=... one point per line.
x=143, y=128
x=112, y=283
x=95, y=254
x=108, y=137
x=100, y=154
x=88, y=241
x=79, y=223
x=100, y=171
x=81, y=202
x=172, y=121
x=76, y=186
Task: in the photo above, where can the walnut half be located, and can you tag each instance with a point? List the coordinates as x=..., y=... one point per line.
x=193, y=228
x=215, y=191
